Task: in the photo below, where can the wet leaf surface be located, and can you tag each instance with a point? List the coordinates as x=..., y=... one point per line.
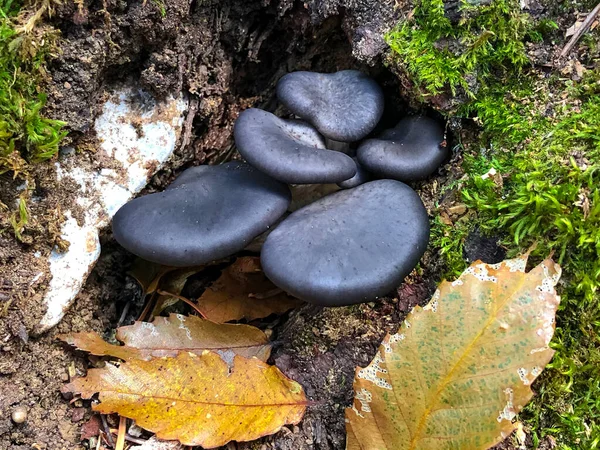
x=460, y=369
x=167, y=336
x=244, y=292
x=197, y=399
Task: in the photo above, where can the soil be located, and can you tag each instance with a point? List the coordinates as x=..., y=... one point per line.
x=228, y=56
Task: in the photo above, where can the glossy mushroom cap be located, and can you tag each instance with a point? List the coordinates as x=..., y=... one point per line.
x=361, y=177
x=289, y=151
x=344, y=106
x=208, y=213
x=409, y=152
x=349, y=247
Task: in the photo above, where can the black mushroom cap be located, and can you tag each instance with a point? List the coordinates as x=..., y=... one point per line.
x=349, y=247
x=208, y=213
x=344, y=106
x=411, y=151
x=290, y=151
x=361, y=177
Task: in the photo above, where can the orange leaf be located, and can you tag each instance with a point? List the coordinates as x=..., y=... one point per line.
x=243, y=291
x=168, y=336
x=459, y=370
x=197, y=399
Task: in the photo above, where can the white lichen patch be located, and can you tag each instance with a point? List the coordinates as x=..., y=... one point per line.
x=538, y=350
x=516, y=264
x=394, y=338
x=150, y=327
x=137, y=135
x=523, y=372
x=431, y=306
x=188, y=333
x=372, y=371
x=508, y=413
x=364, y=397
x=549, y=280
x=481, y=272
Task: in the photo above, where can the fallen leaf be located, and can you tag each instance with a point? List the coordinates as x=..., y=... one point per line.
x=460, y=369
x=244, y=292
x=148, y=274
x=173, y=282
x=197, y=399
x=167, y=336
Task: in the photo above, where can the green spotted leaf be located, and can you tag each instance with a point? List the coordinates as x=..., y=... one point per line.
x=460, y=369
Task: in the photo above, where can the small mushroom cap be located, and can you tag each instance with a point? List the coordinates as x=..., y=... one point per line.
x=289, y=151
x=344, y=106
x=411, y=151
x=349, y=247
x=361, y=177
x=208, y=213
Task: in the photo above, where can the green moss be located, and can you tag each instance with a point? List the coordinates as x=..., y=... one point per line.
x=23, y=128
x=542, y=134
x=551, y=160
x=26, y=136
x=440, y=55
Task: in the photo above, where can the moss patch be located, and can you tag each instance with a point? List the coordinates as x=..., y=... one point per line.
x=541, y=135
x=26, y=136
x=441, y=55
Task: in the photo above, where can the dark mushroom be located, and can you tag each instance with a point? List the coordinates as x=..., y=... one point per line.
x=208, y=213
x=344, y=106
x=361, y=177
x=411, y=151
x=349, y=247
x=289, y=151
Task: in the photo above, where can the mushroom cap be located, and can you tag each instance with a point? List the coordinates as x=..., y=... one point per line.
x=361, y=177
x=208, y=213
x=349, y=247
x=410, y=151
x=344, y=106
x=289, y=151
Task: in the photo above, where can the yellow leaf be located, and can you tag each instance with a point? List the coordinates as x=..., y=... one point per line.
x=460, y=369
x=243, y=291
x=168, y=336
x=197, y=399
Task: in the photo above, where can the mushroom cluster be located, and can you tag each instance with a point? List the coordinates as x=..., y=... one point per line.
x=348, y=247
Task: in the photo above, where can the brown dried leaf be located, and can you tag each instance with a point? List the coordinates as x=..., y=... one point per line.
x=148, y=274
x=168, y=336
x=197, y=399
x=460, y=369
x=173, y=282
x=243, y=291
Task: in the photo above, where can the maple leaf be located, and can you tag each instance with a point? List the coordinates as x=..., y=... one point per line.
x=197, y=399
x=459, y=370
x=243, y=291
x=167, y=336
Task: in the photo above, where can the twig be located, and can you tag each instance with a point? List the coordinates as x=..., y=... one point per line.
x=121, y=434
x=580, y=31
x=129, y=437
x=124, y=314
x=107, y=431
x=148, y=307
x=183, y=299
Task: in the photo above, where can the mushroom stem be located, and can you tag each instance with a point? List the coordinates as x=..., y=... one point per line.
x=339, y=146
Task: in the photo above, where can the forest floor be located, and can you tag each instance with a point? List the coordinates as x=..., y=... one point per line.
x=228, y=56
